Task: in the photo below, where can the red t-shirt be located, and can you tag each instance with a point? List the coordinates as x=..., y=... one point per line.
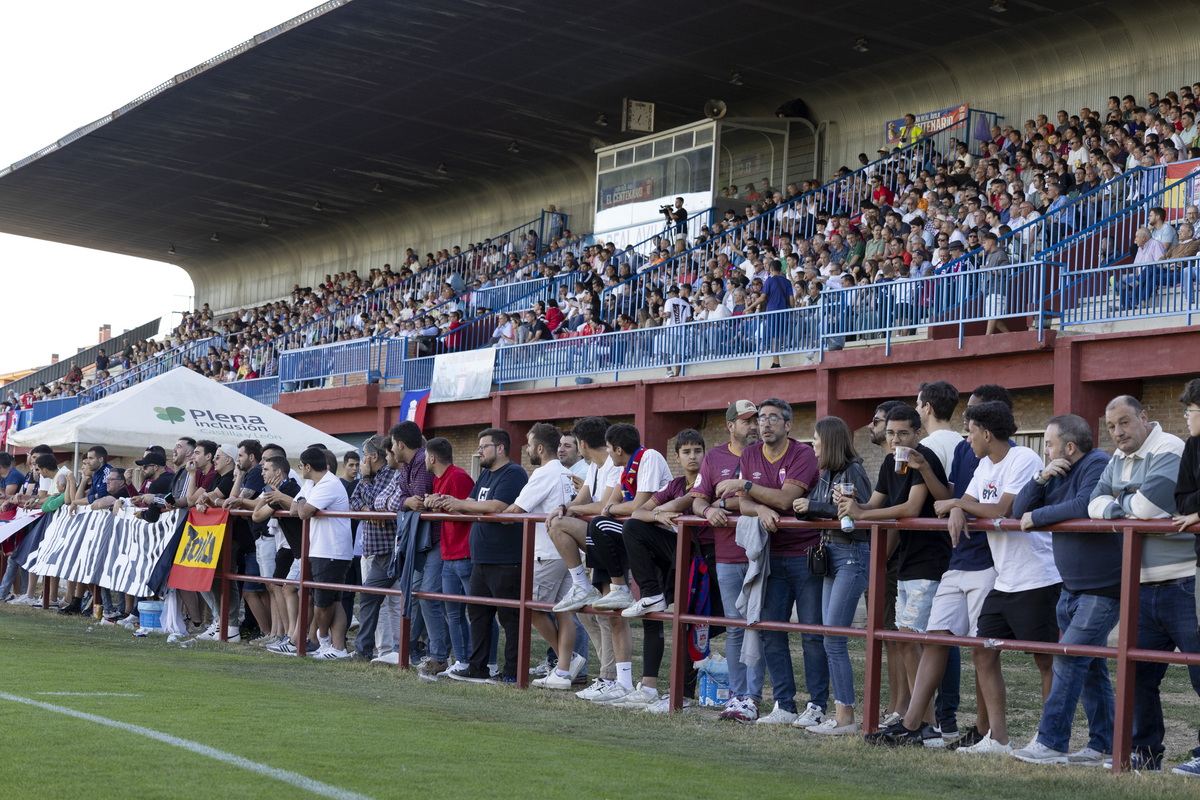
x=455, y=535
x=719, y=464
x=797, y=465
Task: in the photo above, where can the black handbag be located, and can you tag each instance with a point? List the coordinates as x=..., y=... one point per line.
x=818, y=559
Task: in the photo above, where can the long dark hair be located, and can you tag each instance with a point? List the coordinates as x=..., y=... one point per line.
x=837, y=445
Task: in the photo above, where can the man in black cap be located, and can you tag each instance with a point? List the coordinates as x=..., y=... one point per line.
x=156, y=478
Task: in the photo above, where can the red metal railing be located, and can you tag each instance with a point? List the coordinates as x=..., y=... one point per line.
x=1125, y=653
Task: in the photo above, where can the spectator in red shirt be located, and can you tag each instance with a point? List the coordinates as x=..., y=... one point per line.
x=452, y=481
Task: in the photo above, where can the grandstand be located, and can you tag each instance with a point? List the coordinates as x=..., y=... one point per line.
x=336, y=260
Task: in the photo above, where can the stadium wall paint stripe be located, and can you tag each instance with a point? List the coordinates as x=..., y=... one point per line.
x=299, y=781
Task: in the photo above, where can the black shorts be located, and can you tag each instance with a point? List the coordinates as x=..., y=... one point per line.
x=1030, y=615
x=283, y=562
x=327, y=570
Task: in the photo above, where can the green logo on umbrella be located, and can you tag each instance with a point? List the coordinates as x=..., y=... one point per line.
x=170, y=414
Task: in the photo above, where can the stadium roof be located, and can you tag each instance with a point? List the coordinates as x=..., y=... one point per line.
x=356, y=104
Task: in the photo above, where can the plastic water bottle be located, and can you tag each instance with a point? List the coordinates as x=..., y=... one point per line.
x=847, y=523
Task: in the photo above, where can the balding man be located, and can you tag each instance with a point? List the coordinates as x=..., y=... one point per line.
x=1140, y=287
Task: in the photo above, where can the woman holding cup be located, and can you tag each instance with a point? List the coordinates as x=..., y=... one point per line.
x=842, y=475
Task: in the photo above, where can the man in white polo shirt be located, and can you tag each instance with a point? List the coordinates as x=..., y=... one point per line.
x=549, y=487
x=330, y=548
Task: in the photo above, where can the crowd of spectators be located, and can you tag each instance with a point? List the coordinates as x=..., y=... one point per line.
x=610, y=504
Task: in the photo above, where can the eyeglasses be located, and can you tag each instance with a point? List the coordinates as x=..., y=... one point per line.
x=1187, y=412
x=770, y=419
x=877, y=420
x=482, y=446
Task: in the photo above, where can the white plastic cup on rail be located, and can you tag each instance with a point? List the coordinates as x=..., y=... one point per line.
x=901, y=454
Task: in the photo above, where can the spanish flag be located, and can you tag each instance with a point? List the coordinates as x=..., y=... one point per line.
x=199, y=549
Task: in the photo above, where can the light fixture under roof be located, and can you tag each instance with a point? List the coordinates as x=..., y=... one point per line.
x=216, y=237
x=441, y=167
x=735, y=78
x=514, y=147
x=171, y=249
x=602, y=119
x=860, y=45
x=999, y=6
x=317, y=206
x=378, y=187
x=264, y=221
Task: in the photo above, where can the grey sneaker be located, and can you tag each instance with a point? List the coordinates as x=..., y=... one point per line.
x=618, y=599
x=610, y=694
x=1037, y=753
x=576, y=599
x=1087, y=757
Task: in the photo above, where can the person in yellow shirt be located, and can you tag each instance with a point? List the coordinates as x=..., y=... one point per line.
x=910, y=133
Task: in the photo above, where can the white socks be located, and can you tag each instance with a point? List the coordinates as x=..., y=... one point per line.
x=625, y=674
x=579, y=576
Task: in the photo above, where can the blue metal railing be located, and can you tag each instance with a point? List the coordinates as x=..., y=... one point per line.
x=264, y=390
x=48, y=409
x=315, y=364
x=418, y=373
x=1133, y=291
x=160, y=363
x=85, y=357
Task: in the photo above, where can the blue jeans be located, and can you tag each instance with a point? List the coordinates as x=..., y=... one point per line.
x=456, y=579
x=429, y=565
x=743, y=683
x=840, y=592
x=1166, y=620
x=790, y=585
x=11, y=582
x=1083, y=619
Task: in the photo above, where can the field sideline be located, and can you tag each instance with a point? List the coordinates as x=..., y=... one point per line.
x=373, y=731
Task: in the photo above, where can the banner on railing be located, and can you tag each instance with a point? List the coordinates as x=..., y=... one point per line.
x=121, y=553
x=199, y=548
x=1183, y=187
x=462, y=376
x=412, y=408
x=8, y=419
x=16, y=520
x=929, y=122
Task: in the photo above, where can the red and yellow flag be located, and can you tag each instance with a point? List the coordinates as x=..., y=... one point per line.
x=196, y=559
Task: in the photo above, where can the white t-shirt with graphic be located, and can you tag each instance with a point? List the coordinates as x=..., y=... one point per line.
x=1024, y=560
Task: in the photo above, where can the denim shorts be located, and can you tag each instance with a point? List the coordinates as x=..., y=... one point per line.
x=914, y=599
x=264, y=552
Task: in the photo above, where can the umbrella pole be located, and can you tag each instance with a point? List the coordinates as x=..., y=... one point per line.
x=75, y=464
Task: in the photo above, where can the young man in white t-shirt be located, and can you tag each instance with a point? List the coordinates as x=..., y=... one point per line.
x=1022, y=603
x=549, y=487
x=936, y=403
x=330, y=548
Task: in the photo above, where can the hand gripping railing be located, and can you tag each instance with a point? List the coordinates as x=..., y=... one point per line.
x=1125, y=653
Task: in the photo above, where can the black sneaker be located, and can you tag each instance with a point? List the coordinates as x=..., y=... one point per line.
x=931, y=736
x=971, y=736
x=905, y=738
x=949, y=729
x=895, y=729
x=471, y=675
x=71, y=609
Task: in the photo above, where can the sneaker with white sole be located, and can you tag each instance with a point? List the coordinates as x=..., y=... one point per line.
x=610, y=694
x=778, y=716
x=643, y=607
x=578, y=663
x=985, y=747
x=470, y=675
x=541, y=670
x=638, y=699
x=618, y=598
x=576, y=599
x=830, y=727
x=743, y=710
x=455, y=665
x=1087, y=757
x=283, y=647
x=663, y=705
x=1037, y=753
x=552, y=681
x=596, y=688
x=813, y=715
x=890, y=720
x=1189, y=770
x=390, y=657
x=1139, y=762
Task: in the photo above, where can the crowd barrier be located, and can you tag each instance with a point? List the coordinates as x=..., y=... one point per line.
x=1126, y=654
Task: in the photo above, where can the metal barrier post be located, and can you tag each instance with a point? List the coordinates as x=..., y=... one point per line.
x=1131, y=588
x=876, y=587
x=302, y=590
x=679, y=648
x=524, y=612
x=229, y=569
x=403, y=637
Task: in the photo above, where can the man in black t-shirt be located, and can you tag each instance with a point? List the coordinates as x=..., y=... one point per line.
x=277, y=496
x=923, y=555
x=495, y=555
x=538, y=330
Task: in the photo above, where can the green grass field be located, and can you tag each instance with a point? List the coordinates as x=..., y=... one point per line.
x=380, y=732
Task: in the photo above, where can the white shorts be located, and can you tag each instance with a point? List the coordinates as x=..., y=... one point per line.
x=551, y=580
x=959, y=600
x=994, y=306
x=264, y=552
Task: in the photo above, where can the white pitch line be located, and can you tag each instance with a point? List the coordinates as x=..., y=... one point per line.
x=295, y=779
x=88, y=694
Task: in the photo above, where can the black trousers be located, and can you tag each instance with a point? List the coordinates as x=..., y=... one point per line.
x=606, y=549
x=494, y=580
x=651, y=554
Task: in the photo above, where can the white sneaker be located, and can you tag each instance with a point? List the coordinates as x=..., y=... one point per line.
x=987, y=746
x=644, y=606
x=494, y=670
x=596, y=688
x=830, y=727
x=890, y=720
x=663, y=705
x=618, y=599
x=541, y=670
x=576, y=599
x=578, y=663
x=327, y=652
x=455, y=665
x=778, y=716
x=638, y=699
x=1087, y=757
x=611, y=693
x=387, y=658
x=210, y=633
x=552, y=681
x=1038, y=753
x=812, y=715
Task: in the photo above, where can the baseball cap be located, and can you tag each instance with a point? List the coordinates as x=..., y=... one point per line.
x=229, y=450
x=742, y=409
x=152, y=458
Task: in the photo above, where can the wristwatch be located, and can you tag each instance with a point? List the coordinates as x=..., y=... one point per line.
x=746, y=486
x=1040, y=480
x=721, y=503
